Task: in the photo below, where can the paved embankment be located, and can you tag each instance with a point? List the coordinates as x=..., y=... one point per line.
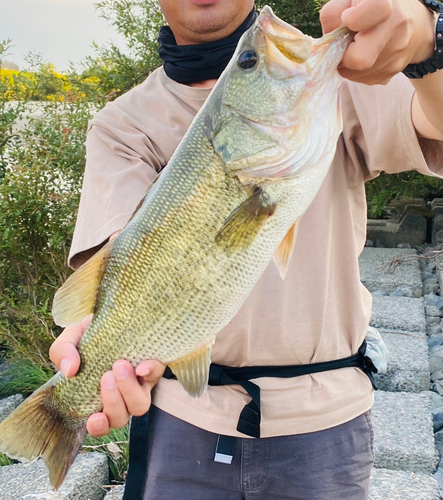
x=406, y=413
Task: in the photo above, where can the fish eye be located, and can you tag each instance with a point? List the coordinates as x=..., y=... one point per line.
x=247, y=59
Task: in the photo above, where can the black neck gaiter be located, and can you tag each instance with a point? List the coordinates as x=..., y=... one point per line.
x=202, y=61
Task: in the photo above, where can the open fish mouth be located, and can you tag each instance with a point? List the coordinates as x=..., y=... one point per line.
x=288, y=40
x=287, y=48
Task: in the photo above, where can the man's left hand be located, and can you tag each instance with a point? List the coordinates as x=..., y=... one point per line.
x=390, y=34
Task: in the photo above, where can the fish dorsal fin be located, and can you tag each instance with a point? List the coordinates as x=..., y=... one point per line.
x=284, y=252
x=192, y=371
x=241, y=227
x=77, y=297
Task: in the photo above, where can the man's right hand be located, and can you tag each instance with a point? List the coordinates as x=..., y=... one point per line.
x=124, y=391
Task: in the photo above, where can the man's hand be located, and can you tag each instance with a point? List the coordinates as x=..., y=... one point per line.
x=390, y=34
x=124, y=391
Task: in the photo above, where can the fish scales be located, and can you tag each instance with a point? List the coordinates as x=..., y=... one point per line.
x=228, y=202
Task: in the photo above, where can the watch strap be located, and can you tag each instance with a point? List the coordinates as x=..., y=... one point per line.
x=436, y=61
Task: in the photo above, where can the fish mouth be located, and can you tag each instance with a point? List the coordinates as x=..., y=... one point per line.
x=287, y=48
x=290, y=41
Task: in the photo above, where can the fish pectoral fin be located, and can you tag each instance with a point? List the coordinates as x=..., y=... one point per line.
x=243, y=224
x=283, y=254
x=192, y=371
x=77, y=297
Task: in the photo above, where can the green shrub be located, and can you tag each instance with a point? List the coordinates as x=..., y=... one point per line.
x=23, y=377
x=116, y=446
x=390, y=187
x=42, y=169
x=5, y=460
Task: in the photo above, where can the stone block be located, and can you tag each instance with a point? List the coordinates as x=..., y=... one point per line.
x=390, y=233
x=399, y=314
x=377, y=273
x=116, y=493
x=437, y=206
x=30, y=480
x=8, y=405
x=395, y=485
x=437, y=233
x=403, y=432
x=439, y=271
x=408, y=366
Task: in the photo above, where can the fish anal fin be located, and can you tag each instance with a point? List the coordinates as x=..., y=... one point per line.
x=77, y=297
x=192, y=371
x=243, y=224
x=283, y=254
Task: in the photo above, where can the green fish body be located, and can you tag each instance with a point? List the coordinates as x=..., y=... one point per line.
x=227, y=203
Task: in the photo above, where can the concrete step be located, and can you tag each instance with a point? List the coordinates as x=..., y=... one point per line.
x=394, y=485
x=377, y=273
x=399, y=314
x=30, y=481
x=408, y=366
x=403, y=432
x=116, y=493
x=8, y=405
x=439, y=260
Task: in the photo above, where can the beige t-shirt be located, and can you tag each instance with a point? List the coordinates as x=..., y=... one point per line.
x=321, y=310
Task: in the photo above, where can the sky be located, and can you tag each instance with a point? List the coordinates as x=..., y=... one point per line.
x=62, y=30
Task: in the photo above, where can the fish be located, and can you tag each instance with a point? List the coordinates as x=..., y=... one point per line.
x=228, y=202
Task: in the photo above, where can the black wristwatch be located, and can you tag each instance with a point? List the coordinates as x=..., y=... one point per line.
x=436, y=61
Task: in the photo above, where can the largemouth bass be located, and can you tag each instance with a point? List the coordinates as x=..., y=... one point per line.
x=227, y=203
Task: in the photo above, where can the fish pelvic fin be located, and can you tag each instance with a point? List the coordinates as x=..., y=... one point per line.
x=36, y=428
x=283, y=254
x=77, y=297
x=192, y=371
x=243, y=224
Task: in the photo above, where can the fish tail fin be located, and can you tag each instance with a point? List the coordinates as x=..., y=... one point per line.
x=37, y=428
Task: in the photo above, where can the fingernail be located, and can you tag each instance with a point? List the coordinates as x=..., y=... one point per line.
x=119, y=370
x=97, y=424
x=142, y=371
x=64, y=366
x=108, y=381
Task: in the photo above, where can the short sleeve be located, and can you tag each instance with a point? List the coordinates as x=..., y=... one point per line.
x=379, y=134
x=121, y=163
x=128, y=143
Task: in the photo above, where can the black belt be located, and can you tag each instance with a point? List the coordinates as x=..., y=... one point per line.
x=249, y=421
x=250, y=417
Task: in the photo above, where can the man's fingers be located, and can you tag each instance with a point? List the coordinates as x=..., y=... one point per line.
x=136, y=398
x=366, y=14
x=379, y=76
x=63, y=352
x=330, y=14
x=98, y=425
x=363, y=53
x=114, y=406
x=151, y=370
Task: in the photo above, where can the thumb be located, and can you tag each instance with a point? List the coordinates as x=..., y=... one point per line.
x=330, y=14
x=151, y=370
x=63, y=352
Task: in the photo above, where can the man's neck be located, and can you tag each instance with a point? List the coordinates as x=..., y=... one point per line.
x=205, y=84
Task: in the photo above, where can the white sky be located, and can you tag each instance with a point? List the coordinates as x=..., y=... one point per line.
x=62, y=30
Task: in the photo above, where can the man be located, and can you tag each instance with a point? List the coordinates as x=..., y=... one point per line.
x=316, y=430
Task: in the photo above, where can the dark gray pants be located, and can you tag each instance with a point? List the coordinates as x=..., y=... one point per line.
x=333, y=464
